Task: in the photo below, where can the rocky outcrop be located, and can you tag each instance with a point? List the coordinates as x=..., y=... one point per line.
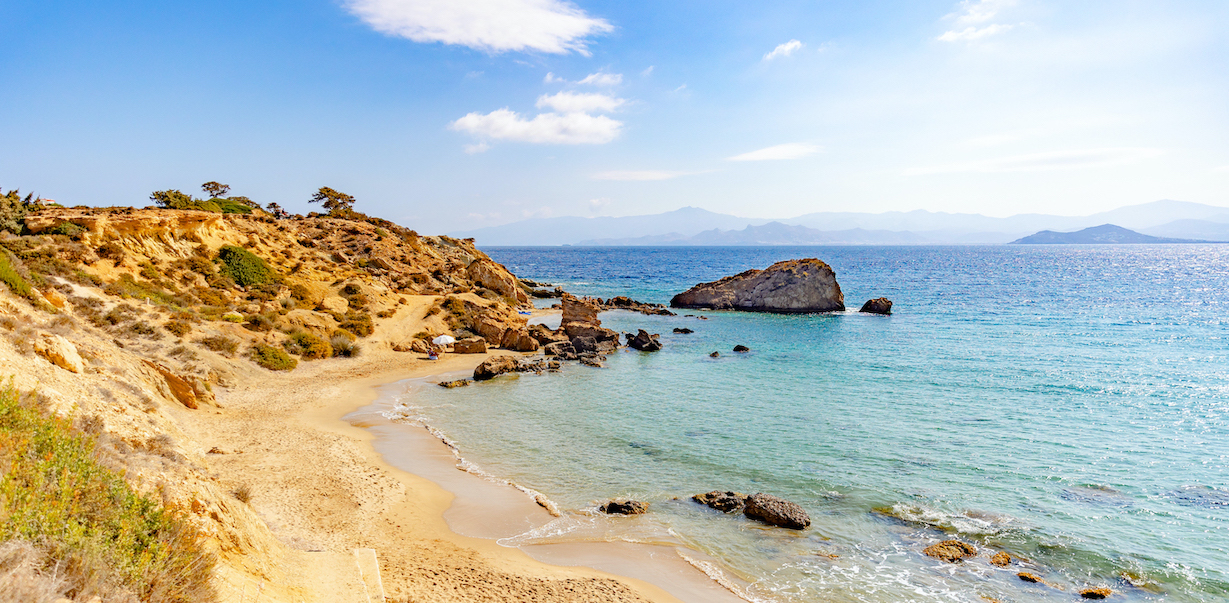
x=950, y=551
x=775, y=511
x=180, y=388
x=580, y=320
x=491, y=275
x=683, y=331
x=879, y=305
x=644, y=341
x=499, y=365
x=623, y=302
x=726, y=502
x=742, y=349
x=518, y=340
x=469, y=345
x=546, y=336
x=789, y=287
x=624, y=507
x=60, y=352
x=335, y=304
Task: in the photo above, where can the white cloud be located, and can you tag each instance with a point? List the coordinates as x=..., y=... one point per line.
x=640, y=175
x=972, y=13
x=545, y=128
x=973, y=33
x=680, y=88
x=572, y=102
x=602, y=79
x=552, y=78
x=783, y=50
x=647, y=72
x=551, y=26
x=478, y=147
x=600, y=202
x=792, y=150
x=1041, y=162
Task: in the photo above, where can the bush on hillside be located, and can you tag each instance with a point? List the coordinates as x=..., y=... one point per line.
x=308, y=346
x=244, y=267
x=274, y=359
x=9, y=276
x=86, y=526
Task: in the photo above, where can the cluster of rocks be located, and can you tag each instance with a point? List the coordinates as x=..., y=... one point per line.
x=535, y=289
x=956, y=551
x=622, y=302
x=761, y=507
x=498, y=365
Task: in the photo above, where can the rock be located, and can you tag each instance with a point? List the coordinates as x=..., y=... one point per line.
x=790, y=287
x=494, y=366
x=335, y=304
x=580, y=320
x=624, y=507
x=562, y=349
x=879, y=305
x=622, y=302
x=715, y=355
x=519, y=340
x=1096, y=593
x=60, y=352
x=683, y=331
x=454, y=384
x=546, y=336
x=741, y=348
x=593, y=360
x=496, y=278
x=776, y=511
x=726, y=502
x=311, y=321
x=644, y=341
x=950, y=551
x=1027, y=577
x=1001, y=559
x=180, y=388
x=471, y=345
x=584, y=345
x=54, y=298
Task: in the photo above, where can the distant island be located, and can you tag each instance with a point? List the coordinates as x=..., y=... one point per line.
x=1102, y=235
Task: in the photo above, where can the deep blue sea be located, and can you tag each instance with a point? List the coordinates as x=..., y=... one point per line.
x=1066, y=404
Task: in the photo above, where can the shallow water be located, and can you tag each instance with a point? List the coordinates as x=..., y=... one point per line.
x=1069, y=405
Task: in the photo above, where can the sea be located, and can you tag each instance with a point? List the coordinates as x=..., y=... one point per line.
x=1066, y=404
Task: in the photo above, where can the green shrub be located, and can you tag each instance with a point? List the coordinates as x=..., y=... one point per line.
x=232, y=317
x=259, y=323
x=233, y=205
x=358, y=323
x=9, y=276
x=64, y=228
x=220, y=344
x=244, y=267
x=96, y=531
x=308, y=346
x=272, y=358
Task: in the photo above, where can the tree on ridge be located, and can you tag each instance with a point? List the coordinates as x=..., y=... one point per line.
x=215, y=189
x=337, y=202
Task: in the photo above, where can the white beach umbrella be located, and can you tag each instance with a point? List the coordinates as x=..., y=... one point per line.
x=444, y=340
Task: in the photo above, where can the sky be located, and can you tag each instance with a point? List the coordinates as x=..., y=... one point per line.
x=449, y=115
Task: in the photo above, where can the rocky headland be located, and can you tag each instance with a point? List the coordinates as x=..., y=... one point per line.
x=788, y=287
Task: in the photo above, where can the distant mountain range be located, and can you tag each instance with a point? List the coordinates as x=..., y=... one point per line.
x=696, y=226
x=1103, y=234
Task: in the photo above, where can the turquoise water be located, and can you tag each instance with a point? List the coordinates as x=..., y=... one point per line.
x=1069, y=405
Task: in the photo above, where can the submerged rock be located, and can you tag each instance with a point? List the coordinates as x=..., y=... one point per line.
x=454, y=384
x=1027, y=577
x=1096, y=593
x=879, y=305
x=726, y=502
x=683, y=331
x=644, y=341
x=624, y=507
x=791, y=287
x=715, y=355
x=741, y=348
x=1001, y=559
x=775, y=511
x=950, y=551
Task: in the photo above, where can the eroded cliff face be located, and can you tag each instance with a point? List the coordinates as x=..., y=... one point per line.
x=133, y=320
x=788, y=287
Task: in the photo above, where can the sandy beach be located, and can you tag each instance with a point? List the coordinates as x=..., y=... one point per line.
x=325, y=489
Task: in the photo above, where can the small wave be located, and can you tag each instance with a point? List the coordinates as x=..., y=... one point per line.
x=716, y=575
x=969, y=521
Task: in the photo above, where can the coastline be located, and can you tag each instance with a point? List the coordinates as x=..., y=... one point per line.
x=353, y=495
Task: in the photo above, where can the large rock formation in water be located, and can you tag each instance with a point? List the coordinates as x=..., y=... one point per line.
x=580, y=320
x=789, y=287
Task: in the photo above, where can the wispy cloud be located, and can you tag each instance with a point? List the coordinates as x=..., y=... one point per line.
x=551, y=78
x=640, y=175
x=1040, y=162
x=793, y=150
x=545, y=128
x=783, y=50
x=478, y=147
x=647, y=72
x=572, y=102
x=602, y=79
x=550, y=26
x=972, y=15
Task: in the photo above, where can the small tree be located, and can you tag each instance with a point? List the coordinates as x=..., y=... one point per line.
x=173, y=199
x=215, y=189
x=13, y=210
x=337, y=202
x=274, y=208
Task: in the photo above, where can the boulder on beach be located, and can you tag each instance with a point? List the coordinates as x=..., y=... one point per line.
x=470, y=345
x=741, y=348
x=775, y=511
x=789, y=287
x=683, y=331
x=950, y=551
x=495, y=366
x=879, y=305
x=644, y=341
x=726, y=502
x=519, y=340
x=624, y=507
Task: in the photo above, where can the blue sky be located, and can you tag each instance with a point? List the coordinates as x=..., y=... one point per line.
x=446, y=115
